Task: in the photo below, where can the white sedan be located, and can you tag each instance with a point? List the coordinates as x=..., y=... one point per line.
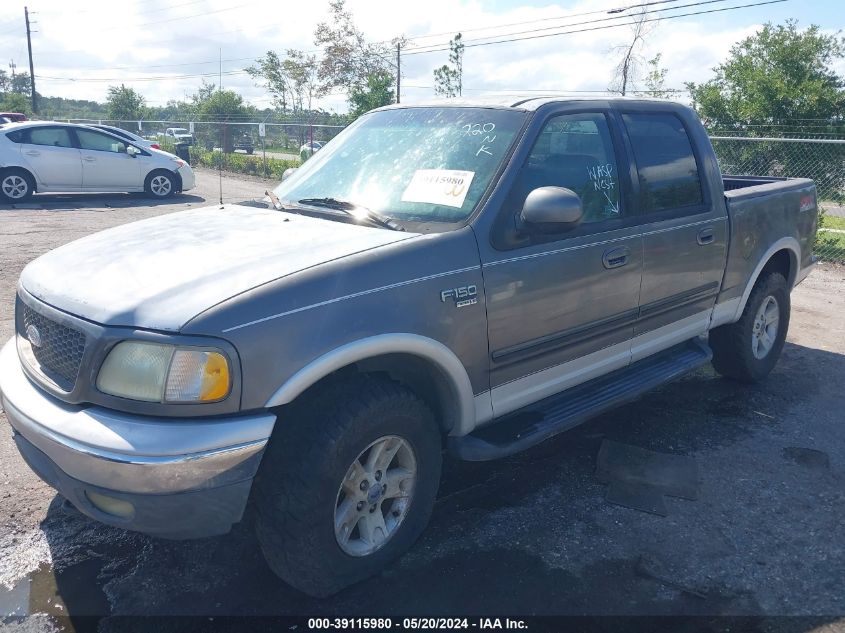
x=64, y=157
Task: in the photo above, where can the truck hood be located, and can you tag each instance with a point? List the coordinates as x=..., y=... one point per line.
x=161, y=272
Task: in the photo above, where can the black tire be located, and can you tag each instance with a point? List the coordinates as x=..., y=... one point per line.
x=732, y=344
x=11, y=181
x=307, y=459
x=154, y=189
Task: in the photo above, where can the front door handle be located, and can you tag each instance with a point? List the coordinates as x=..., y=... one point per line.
x=89, y=159
x=706, y=236
x=616, y=257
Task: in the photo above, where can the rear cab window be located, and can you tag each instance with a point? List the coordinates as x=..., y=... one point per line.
x=666, y=165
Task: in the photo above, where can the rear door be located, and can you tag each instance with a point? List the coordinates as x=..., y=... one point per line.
x=105, y=164
x=561, y=308
x=50, y=153
x=684, y=232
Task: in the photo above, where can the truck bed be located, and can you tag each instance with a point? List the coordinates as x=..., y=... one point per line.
x=762, y=211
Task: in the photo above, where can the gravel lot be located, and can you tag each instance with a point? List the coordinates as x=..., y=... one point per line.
x=531, y=534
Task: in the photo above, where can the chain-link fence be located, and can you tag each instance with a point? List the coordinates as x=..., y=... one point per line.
x=268, y=149
x=823, y=160
x=257, y=148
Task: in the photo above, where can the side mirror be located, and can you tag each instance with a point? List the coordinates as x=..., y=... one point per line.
x=288, y=173
x=132, y=150
x=552, y=210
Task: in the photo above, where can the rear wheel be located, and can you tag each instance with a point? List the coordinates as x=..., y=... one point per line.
x=748, y=349
x=160, y=184
x=347, y=483
x=16, y=185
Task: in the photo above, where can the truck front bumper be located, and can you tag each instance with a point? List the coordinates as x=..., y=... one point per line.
x=174, y=478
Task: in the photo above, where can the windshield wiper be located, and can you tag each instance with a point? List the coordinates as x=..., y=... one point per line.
x=355, y=210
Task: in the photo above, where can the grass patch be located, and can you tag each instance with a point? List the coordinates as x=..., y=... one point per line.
x=833, y=222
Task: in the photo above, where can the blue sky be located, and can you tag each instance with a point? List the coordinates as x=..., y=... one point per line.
x=163, y=47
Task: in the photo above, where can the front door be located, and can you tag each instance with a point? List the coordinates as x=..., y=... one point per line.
x=49, y=152
x=684, y=234
x=561, y=308
x=105, y=164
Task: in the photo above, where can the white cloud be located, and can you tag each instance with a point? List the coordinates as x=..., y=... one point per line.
x=96, y=42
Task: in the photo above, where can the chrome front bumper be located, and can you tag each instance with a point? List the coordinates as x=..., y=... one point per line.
x=184, y=477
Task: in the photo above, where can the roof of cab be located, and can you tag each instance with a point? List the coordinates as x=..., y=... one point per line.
x=525, y=102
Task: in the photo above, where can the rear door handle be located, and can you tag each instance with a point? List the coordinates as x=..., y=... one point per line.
x=705, y=236
x=32, y=152
x=89, y=159
x=616, y=257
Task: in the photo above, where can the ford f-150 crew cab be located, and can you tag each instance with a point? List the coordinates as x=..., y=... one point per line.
x=427, y=279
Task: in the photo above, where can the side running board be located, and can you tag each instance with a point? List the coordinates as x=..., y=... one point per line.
x=537, y=422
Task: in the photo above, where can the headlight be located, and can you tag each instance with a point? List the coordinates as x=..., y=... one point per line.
x=153, y=372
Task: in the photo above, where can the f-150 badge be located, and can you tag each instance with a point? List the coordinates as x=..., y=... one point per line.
x=463, y=296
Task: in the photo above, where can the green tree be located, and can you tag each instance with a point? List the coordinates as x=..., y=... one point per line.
x=448, y=79
x=377, y=92
x=780, y=74
x=349, y=61
x=221, y=106
x=293, y=81
x=16, y=102
x=655, y=79
x=125, y=104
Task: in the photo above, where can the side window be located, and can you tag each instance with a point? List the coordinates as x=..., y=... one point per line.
x=575, y=151
x=16, y=136
x=90, y=140
x=51, y=136
x=665, y=161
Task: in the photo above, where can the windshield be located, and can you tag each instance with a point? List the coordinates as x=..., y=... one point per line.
x=417, y=164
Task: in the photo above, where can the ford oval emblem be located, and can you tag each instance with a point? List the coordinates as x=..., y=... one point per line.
x=33, y=335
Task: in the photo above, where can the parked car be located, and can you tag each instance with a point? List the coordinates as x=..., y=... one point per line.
x=136, y=140
x=15, y=117
x=307, y=150
x=51, y=157
x=4, y=120
x=178, y=135
x=477, y=277
x=244, y=143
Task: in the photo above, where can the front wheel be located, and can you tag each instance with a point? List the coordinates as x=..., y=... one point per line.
x=748, y=349
x=160, y=184
x=347, y=483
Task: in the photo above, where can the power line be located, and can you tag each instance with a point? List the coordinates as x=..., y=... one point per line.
x=474, y=43
x=144, y=78
x=562, y=17
x=616, y=17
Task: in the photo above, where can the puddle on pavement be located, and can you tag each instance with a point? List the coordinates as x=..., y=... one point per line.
x=43, y=591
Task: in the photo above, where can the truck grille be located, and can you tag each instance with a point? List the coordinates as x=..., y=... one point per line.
x=61, y=348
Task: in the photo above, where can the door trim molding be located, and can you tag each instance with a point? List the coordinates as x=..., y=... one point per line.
x=532, y=388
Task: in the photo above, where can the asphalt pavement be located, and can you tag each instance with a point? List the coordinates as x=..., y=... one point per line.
x=530, y=534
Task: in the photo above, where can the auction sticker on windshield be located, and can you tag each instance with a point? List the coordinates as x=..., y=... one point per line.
x=448, y=187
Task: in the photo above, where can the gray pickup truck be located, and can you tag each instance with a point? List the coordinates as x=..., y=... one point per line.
x=468, y=277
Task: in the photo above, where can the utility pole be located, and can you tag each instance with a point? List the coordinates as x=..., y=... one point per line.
x=13, y=66
x=398, y=71
x=31, y=68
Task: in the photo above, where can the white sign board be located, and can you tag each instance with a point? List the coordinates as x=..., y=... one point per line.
x=191, y=127
x=448, y=187
x=262, y=132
